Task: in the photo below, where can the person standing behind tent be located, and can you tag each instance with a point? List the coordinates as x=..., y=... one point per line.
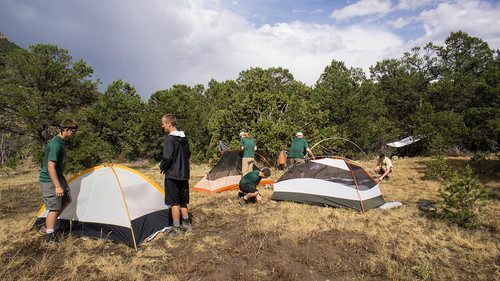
x=248, y=184
x=248, y=146
x=298, y=149
x=383, y=167
x=55, y=189
x=175, y=165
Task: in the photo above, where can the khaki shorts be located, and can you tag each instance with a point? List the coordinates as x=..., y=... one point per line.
x=246, y=165
x=51, y=201
x=294, y=161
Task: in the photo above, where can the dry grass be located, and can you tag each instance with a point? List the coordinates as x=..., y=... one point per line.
x=271, y=241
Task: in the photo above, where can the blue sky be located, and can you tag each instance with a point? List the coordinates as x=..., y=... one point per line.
x=154, y=44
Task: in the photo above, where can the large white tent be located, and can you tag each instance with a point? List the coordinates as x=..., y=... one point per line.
x=115, y=203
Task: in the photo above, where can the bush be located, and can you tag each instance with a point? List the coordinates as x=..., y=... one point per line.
x=463, y=198
x=12, y=162
x=438, y=169
x=424, y=270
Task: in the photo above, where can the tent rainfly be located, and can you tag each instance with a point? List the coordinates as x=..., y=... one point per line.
x=406, y=141
x=333, y=182
x=113, y=202
x=225, y=175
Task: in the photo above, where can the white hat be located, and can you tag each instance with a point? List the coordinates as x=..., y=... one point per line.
x=299, y=134
x=242, y=134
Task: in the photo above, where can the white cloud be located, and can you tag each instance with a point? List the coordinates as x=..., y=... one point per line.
x=477, y=18
x=163, y=43
x=363, y=8
x=401, y=22
x=412, y=4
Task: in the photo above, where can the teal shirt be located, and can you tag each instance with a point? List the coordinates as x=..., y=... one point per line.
x=56, y=152
x=251, y=178
x=248, y=147
x=298, y=148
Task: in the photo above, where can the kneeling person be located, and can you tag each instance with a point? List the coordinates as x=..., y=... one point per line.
x=249, y=182
x=383, y=167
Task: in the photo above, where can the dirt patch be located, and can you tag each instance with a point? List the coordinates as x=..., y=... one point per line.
x=20, y=200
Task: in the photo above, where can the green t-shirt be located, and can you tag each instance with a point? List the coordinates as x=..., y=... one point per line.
x=251, y=178
x=248, y=147
x=56, y=152
x=298, y=148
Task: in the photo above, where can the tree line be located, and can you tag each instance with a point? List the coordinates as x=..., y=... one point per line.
x=449, y=94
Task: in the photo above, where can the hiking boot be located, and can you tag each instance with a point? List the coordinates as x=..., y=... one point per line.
x=186, y=226
x=42, y=230
x=387, y=177
x=243, y=201
x=174, y=232
x=51, y=238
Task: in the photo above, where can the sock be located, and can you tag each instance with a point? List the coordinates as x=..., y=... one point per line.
x=177, y=224
x=185, y=217
x=245, y=197
x=50, y=230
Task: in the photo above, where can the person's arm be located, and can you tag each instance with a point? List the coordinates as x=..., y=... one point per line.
x=387, y=171
x=167, y=156
x=310, y=152
x=51, y=167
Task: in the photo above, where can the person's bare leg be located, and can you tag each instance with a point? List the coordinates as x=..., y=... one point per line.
x=254, y=194
x=50, y=220
x=176, y=215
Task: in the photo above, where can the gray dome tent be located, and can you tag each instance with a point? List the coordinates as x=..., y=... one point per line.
x=332, y=182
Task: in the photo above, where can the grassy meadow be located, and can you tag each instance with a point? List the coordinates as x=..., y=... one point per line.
x=270, y=241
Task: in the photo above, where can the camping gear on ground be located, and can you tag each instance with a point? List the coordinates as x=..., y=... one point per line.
x=425, y=205
x=390, y=205
x=113, y=202
x=281, y=160
x=225, y=175
x=332, y=182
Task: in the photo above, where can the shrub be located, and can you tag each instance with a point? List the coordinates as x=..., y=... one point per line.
x=438, y=169
x=463, y=199
x=12, y=162
x=424, y=270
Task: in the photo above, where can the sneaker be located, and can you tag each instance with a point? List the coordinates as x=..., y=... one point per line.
x=387, y=177
x=42, y=230
x=243, y=201
x=186, y=226
x=174, y=232
x=51, y=238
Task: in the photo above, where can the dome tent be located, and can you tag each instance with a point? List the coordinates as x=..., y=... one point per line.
x=332, y=182
x=113, y=202
x=225, y=175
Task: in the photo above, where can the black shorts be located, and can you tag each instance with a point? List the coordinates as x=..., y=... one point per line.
x=248, y=188
x=176, y=192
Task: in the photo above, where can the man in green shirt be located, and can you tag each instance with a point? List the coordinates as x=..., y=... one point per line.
x=298, y=149
x=55, y=189
x=248, y=147
x=248, y=185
